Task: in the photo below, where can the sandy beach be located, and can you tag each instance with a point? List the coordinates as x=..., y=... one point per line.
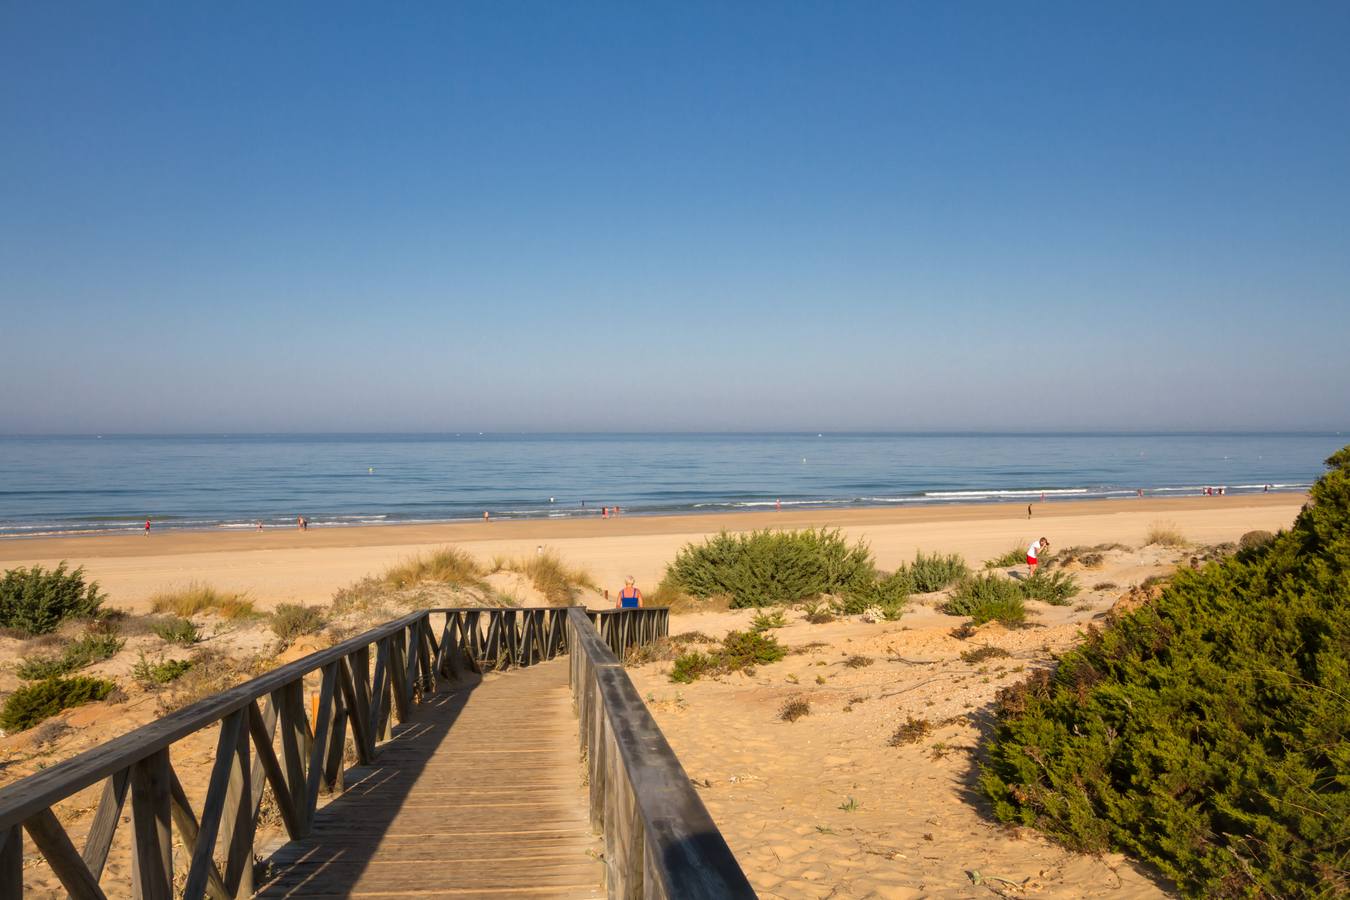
x=307, y=567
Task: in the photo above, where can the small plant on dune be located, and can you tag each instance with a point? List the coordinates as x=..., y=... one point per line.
x=34, y=702
x=858, y=662
x=692, y=666
x=988, y=598
x=980, y=654
x=36, y=600
x=448, y=565
x=794, y=709
x=934, y=572
x=849, y=805
x=177, y=631
x=1253, y=539
x=1013, y=556
x=202, y=598
x=768, y=567
x=663, y=649
x=291, y=620
x=913, y=731
x=885, y=593
x=1054, y=588
x=162, y=672
x=558, y=582
x=1087, y=557
x=766, y=621
x=1164, y=534
x=692, y=637
x=1105, y=586
x=86, y=651
x=817, y=613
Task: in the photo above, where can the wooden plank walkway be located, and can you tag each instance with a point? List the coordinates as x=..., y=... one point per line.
x=479, y=795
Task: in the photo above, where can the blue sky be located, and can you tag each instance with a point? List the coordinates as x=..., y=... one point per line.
x=299, y=217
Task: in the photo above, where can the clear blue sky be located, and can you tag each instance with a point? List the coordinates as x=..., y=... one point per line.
x=287, y=216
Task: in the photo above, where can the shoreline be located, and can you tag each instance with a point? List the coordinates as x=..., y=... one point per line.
x=290, y=566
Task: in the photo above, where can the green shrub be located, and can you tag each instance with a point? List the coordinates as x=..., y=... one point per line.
x=1254, y=539
x=1013, y=556
x=161, y=672
x=740, y=650
x=817, y=613
x=888, y=593
x=36, y=601
x=771, y=567
x=988, y=598
x=935, y=572
x=1206, y=732
x=34, y=702
x=177, y=631
x=692, y=666
x=1054, y=588
x=766, y=621
x=290, y=620
x=91, y=648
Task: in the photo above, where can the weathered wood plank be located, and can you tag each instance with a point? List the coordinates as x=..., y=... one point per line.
x=200, y=837
x=152, y=858
x=11, y=862
x=62, y=856
x=99, y=839
x=239, y=823
x=271, y=767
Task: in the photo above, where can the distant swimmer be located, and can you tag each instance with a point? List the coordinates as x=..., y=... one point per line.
x=778, y=504
x=1141, y=493
x=147, y=527
x=630, y=597
x=1266, y=490
x=260, y=524
x=371, y=470
x=1034, y=552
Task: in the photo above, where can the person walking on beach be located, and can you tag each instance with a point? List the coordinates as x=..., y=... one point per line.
x=1028, y=510
x=147, y=527
x=1033, y=554
x=486, y=517
x=630, y=597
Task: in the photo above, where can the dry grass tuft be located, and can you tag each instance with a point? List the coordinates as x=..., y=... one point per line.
x=794, y=709
x=202, y=598
x=913, y=731
x=980, y=654
x=448, y=565
x=1165, y=534
x=858, y=662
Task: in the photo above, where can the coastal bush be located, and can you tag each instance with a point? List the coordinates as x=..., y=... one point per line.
x=1015, y=555
x=36, y=600
x=174, y=630
x=163, y=672
x=987, y=598
x=886, y=593
x=794, y=709
x=740, y=651
x=1164, y=534
x=86, y=651
x=766, y=621
x=768, y=567
x=1054, y=588
x=1254, y=539
x=202, y=598
x=34, y=702
x=934, y=572
x=1208, y=730
x=290, y=620
x=817, y=613
x=447, y=565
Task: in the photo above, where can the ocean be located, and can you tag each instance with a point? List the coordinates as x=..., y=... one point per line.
x=111, y=483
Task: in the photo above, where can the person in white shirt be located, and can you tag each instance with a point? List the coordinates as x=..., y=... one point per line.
x=1034, y=552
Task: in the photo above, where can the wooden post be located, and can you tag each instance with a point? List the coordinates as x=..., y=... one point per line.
x=11, y=862
x=152, y=862
x=99, y=839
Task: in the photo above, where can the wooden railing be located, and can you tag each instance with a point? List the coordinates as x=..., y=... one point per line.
x=660, y=841
x=267, y=737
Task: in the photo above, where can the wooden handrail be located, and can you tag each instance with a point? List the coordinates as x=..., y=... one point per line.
x=660, y=841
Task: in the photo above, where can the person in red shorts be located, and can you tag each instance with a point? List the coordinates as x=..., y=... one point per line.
x=1033, y=554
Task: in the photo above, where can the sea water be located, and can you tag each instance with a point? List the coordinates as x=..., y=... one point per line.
x=113, y=483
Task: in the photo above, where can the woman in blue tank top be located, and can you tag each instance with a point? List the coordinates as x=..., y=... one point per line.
x=630, y=597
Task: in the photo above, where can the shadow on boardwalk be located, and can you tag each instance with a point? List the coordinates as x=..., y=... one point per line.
x=479, y=795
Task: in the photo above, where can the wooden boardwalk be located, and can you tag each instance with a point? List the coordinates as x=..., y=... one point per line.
x=492, y=807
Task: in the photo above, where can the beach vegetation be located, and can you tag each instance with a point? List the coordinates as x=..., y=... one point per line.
x=174, y=630
x=161, y=672
x=766, y=620
x=794, y=709
x=1085, y=556
x=1105, y=586
x=936, y=571
x=765, y=568
x=40, y=700
x=1015, y=555
x=560, y=583
x=817, y=613
x=199, y=598
x=911, y=732
x=1205, y=732
x=1253, y=539
x=980, y=654
x=1054, y=588
x=849, y=805
x=739, y=651
x=989, y=597
x=1164, y=534
x=86, y=651
x=446, y=565
x=291, y=620
x=884, y=594
x=35, y=600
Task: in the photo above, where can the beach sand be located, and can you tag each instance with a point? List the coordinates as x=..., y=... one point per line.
x=307, y=567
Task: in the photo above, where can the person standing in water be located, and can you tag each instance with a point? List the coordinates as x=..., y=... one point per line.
x=147, y=527
x=630, y=597
x=1033, y=554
